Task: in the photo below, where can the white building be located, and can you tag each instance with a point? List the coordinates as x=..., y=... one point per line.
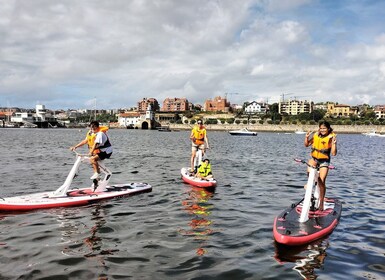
x=379, y=110
x=22, y=117
x=129, y=119
x=255, y=107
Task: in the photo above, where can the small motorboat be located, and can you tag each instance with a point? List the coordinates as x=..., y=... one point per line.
x=243, y=132
x=300, y=131
x=373, y=133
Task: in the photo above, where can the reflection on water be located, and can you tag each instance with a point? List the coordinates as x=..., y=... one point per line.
x=307, y=259
x=197, y=205
x=74, y=231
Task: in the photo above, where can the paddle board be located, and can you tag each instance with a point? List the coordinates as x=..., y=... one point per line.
x=289, y=231
x=73, y=197
x=195, y=181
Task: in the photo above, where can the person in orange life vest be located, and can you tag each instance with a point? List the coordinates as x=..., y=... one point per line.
x=99, y=146
x=324, y=144
x=198, y=138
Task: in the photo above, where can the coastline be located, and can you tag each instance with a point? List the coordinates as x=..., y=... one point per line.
x=285, y=128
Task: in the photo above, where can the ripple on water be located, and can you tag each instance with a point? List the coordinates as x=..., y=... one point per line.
x=180, y=232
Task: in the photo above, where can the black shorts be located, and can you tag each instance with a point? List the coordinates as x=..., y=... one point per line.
x=103, y=155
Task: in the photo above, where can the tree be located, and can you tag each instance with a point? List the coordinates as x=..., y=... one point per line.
x=318, y=115
x=304, y=117
x=369, y=114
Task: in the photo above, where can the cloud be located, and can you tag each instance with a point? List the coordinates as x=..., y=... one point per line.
x=65, y=54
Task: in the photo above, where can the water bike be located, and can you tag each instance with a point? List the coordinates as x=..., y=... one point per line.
x=190, y=178
x=64, y=196
x=302, y=223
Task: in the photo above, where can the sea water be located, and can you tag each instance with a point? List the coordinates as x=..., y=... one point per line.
x=181, y=232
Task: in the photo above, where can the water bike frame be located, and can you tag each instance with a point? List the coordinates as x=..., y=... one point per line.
x=99, y=185
x=198, y=159
x=310, y=185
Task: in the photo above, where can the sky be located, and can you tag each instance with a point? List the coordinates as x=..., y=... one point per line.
x=110, y=54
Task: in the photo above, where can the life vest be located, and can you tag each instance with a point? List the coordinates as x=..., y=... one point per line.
x=199, y=135
x=91, y=140
x=322, y=146
x=204, y=169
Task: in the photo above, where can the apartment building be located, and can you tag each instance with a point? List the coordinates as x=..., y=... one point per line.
x=295, y=107
x=175, y=105
x=217, y=104
x=380, y=111
x=145, y=102
x=341, y=110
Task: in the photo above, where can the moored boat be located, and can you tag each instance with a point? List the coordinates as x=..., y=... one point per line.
x=243, y=132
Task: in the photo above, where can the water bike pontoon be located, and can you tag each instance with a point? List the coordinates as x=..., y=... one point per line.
x=188, y=176
x=303, y=223
x=65, y=196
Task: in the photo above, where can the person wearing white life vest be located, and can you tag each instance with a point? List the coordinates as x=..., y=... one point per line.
x=99, y=146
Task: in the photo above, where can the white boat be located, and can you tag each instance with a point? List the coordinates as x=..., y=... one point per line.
x=300, y=131
x=373, y=133
x=243, y=132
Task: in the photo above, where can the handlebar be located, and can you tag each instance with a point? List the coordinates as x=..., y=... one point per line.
x=305, y=162
x=80, y=155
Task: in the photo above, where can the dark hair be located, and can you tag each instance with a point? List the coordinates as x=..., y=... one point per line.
x=94, y=123
x=327, y=124
x=207, y=160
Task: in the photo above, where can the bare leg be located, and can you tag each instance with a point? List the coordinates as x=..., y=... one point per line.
x=311, y=162
x=193, y=154
x=94, y=163
x=323, y=172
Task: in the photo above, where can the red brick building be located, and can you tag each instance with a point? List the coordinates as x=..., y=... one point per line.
x=217, y=104
x=143, y=104
x=175, y=105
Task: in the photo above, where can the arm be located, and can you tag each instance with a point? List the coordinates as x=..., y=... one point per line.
x=73, y=148
x=207, y=141
x=334, y=145
x=308, y=142
x=192, y=135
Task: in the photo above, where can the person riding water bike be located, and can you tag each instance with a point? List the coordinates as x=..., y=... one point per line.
x=324, y=144
x=99, y=146
x=198, y=138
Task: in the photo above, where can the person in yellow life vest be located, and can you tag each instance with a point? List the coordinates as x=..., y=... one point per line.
x=204, y=170
x=324, y=144
x=99, y=146
x=198, y=139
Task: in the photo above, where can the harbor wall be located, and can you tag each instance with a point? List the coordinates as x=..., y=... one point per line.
x=284, y=127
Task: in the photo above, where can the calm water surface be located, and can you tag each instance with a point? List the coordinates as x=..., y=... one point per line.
x=178, y=232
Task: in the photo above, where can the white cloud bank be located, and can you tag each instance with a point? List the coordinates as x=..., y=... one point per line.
x=66, y=53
